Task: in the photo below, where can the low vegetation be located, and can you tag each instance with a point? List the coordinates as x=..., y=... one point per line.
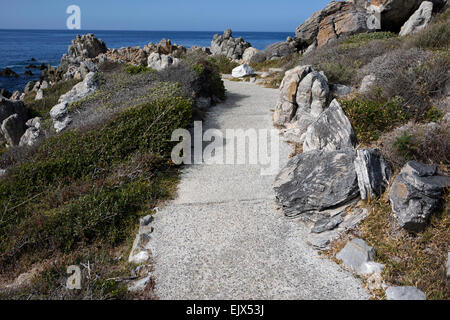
x=371, y=118
x=416, y=260
x=77, y=197
x=41, y=108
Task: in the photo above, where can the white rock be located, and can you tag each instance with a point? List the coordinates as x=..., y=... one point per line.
x=39, y=95
x=419, y=20
x=404, y=293
x=242, y=71
x=81, y=90
x=139, y=285
x=367, y=83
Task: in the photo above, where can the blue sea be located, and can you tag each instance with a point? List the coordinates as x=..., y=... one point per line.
x=19, y=47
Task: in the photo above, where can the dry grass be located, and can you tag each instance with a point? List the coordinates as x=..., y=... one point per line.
x=410, y=259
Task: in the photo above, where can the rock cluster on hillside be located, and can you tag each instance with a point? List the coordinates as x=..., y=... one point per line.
x=225, y=44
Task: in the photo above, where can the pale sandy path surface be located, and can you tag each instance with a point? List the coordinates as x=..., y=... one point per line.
x=224, y=238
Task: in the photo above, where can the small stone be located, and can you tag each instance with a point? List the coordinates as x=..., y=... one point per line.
x=404, y=293
x=139, y=285
x=355, y=254
x=327, y=224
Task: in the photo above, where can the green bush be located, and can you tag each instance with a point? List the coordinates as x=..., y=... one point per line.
x=79, y=170
x=427, y=143
x=370, y=118
x=224, y=64
x=132, y=69
x=41, y=108
x=436, y=36
x=434, y=114
x=362, y=39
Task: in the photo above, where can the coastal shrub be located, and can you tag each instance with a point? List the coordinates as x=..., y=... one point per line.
x=370, y=118
x=413, y=74
x=80, y=165
x=41, y=108
x=341, y=60
x=132, y=69
x=427, y=143
x=224, y=64
x=435, y=36
x=361, y=39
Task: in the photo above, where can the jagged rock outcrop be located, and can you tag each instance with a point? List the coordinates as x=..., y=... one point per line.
x=281, y=49
x=337, y=19
x=60, y=116
x=86, y=46
x=416, y=193
x=331, y=131
x=316, y=181
x=419, y=20
x=394, y=13
x=253, y=55
x=304, y=95
x=83, y=48
x=373, y=173
x=233, y=48
x=140, y=56
x=13, y=128
x=33, y=134
x=166, y=47
x=10, y=107
x=161, y=61
x=81, y=90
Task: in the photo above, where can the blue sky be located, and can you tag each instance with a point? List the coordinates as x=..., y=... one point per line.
x=173, y=15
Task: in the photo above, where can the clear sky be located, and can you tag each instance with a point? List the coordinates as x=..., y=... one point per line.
x=170, y=15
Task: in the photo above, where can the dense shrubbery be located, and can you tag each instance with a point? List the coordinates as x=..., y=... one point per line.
x=341, y=60
x=428, y=143
x=224, y=64
x=413, y=74
x=41, y=108
x=370, y=118
x=132, y=69
x=73, y=190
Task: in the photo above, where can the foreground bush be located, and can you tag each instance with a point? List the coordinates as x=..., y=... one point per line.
x=370, y=118
x=85, y=186
x=427, y=143
x=415, y=75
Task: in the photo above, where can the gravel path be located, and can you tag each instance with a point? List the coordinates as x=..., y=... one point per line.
x=224, y=238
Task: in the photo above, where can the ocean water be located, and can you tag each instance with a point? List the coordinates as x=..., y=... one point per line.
x=18, y=47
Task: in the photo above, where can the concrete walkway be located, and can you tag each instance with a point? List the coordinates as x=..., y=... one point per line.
x=224, y=238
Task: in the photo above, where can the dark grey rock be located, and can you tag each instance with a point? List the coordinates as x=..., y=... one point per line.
x=10, y=107
x=416, y=194
x=315, y=181
x=13, y=128
x=279, y=50
x=358, y=255
x=331, y=131
x=339, y=90
x=327, y=224
x=404, y=293
x=373, y=173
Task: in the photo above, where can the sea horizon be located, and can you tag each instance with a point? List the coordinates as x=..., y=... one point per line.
x=18, y=47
